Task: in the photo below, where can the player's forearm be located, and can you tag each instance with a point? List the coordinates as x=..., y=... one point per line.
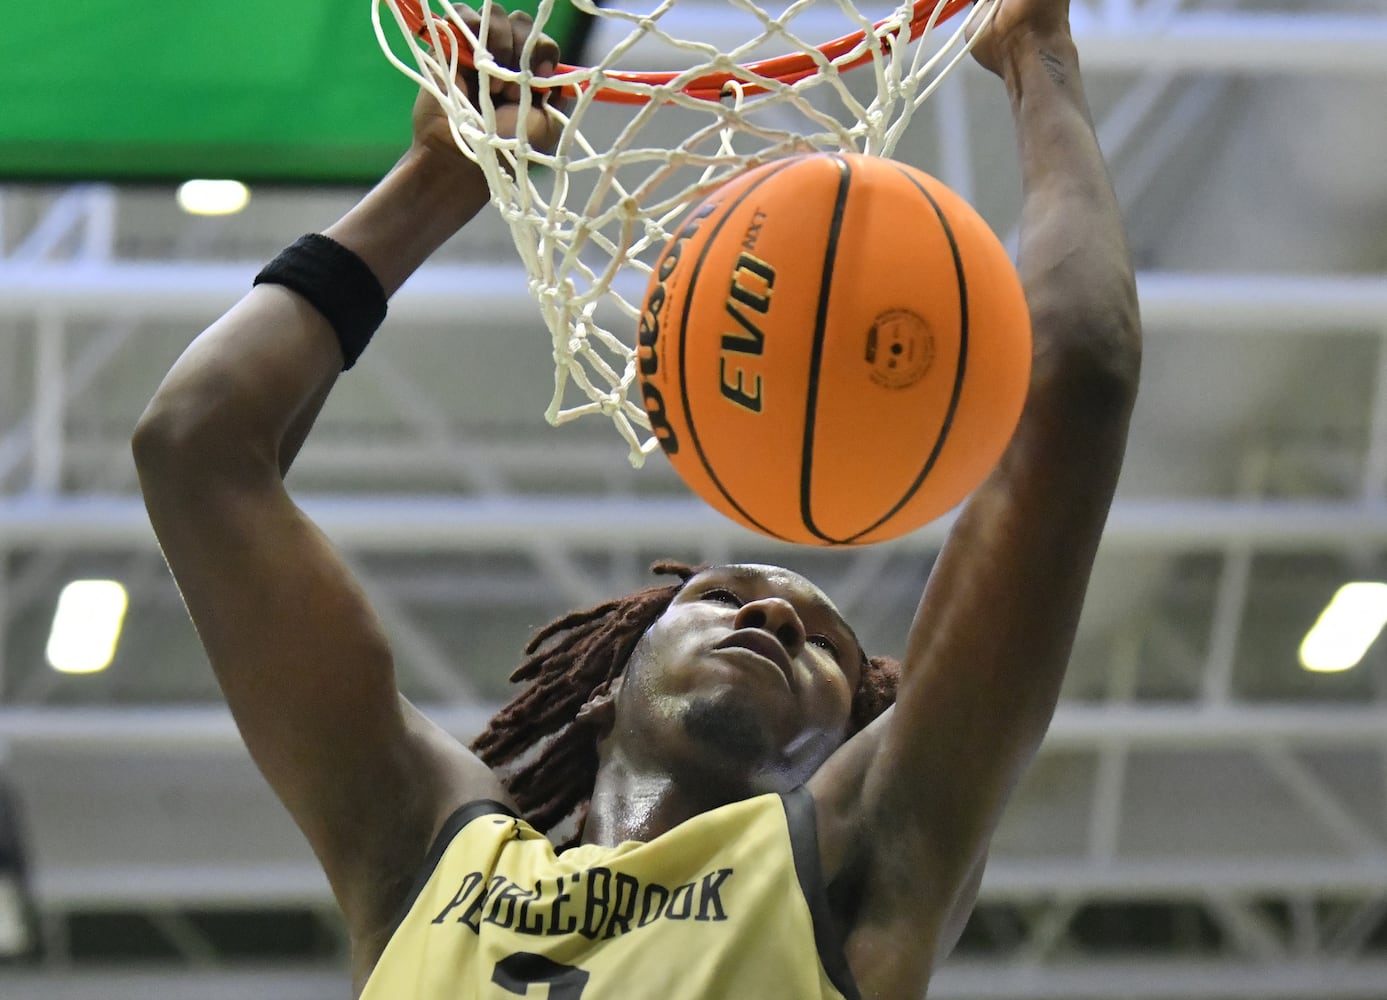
x=251, y=385
x=1074, y=261
x=427, y=198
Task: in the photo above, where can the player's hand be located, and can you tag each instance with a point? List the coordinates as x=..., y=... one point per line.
x=1019, y=23
x=506, y=39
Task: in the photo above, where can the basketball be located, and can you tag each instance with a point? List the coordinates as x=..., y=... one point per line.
x=834, y=349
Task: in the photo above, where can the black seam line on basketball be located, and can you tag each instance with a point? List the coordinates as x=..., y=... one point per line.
x=806, y=465
x=683, y=352
x=958, y=372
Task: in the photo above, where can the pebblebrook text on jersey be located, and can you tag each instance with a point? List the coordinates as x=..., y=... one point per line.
x=596, y=903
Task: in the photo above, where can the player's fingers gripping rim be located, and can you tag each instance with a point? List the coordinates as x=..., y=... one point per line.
x=506, y=37
x=544, y=58
x=499, y=39
x=546, y=49
x=499, y=42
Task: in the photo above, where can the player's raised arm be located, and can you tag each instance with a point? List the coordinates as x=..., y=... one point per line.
x=299, y=654
x=990, y=642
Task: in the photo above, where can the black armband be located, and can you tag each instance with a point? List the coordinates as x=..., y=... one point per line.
x=337, y=283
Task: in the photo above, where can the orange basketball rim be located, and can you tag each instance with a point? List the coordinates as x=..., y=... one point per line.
x=710, y=86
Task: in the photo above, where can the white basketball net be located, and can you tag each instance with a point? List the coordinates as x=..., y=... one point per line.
x=589, y=221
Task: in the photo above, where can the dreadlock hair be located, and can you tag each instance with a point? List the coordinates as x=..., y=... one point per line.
x=545, y=753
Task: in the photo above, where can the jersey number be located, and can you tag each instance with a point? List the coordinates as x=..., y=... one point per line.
x=515, y=973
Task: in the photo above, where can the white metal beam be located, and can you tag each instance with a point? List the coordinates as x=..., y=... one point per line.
x=423, y=524
x=85, y=209
x=283, y=884
x=1234, y=583
x=208, y=729
x=50, y=396
x=1181, y=878
x=1265, y=303
x=1374, y=484
x=66, y=381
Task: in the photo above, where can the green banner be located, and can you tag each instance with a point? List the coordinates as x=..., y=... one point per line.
x=256, y=90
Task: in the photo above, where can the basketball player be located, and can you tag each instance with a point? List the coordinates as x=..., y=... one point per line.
x=754, y=821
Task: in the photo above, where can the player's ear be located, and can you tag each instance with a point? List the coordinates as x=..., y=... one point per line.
x=599, y=710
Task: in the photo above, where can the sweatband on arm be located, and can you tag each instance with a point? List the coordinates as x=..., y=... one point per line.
x=337, y=283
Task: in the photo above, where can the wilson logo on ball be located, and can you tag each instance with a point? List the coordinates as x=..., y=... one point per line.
x=648, y=344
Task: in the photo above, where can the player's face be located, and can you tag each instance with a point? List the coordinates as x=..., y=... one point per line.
x=751, y=665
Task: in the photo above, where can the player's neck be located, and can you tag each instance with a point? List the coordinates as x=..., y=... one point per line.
x=630, y=802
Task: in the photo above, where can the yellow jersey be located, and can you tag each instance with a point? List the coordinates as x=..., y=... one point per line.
x=729, y=905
